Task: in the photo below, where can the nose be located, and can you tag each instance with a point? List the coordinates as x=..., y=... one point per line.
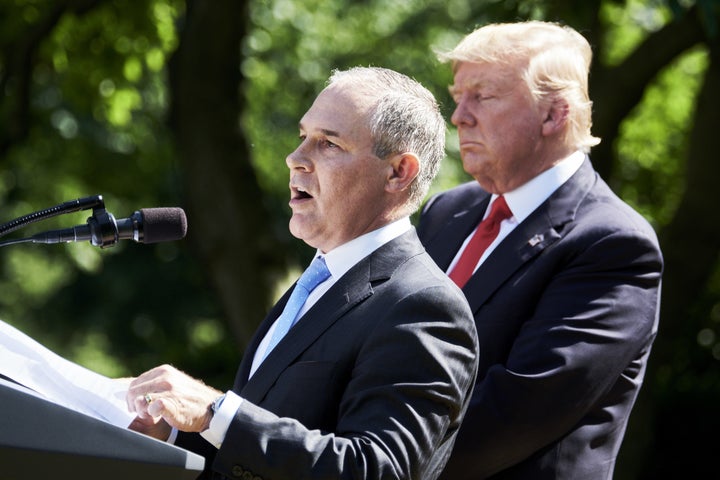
x=462, y=114
x=297, y=159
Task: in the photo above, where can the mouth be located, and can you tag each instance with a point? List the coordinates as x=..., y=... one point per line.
x=469, y=144
x=466, y=139
x=299, y=193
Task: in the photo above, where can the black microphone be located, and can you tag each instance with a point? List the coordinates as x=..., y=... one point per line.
x=147, y=225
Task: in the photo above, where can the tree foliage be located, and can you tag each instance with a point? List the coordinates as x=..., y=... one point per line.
x=195, y=103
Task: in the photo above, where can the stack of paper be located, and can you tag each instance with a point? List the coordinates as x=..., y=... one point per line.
x=61, y=381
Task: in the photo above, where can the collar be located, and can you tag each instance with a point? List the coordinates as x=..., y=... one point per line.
x=341, y=259
x=526, y=198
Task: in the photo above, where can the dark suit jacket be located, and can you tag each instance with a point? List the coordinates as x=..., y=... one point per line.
x=371, y=383
x=566, y=309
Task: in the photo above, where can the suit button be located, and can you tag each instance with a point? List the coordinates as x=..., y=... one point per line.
x=237, y=471
x=247, y=475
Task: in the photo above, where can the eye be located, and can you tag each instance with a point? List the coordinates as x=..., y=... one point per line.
x=472, y=96
x=481, y=94
x=318, y=142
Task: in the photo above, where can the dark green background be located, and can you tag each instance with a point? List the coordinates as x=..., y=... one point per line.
x=195, y=104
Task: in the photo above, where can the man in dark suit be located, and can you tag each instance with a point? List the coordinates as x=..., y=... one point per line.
x=565, y=297
x=373, y=379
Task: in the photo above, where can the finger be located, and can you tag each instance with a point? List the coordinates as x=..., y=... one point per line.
x=157, y=408
x=139, y=406
x=157, y=428
x=141, y=424
x=141, y=403
x=135, y=392
x=141, y=385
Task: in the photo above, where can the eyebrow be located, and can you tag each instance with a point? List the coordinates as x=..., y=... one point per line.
x=330, y=133
x=325, y=131
x=471, y=85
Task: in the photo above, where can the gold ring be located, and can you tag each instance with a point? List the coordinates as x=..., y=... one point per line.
x=148, y=398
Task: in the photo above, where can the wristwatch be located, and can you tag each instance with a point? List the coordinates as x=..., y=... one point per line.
x=215, y=406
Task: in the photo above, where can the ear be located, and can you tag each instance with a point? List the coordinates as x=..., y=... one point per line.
x=403, y=168
x=556, y=117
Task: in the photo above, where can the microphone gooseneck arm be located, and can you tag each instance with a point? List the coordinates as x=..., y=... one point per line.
x=86, y=203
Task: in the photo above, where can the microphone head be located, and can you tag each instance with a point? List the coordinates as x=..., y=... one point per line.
x=163, y=224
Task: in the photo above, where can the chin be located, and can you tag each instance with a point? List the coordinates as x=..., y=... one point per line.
x=297, y=231
x=295, y=228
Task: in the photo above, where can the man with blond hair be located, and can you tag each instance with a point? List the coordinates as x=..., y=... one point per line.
x=562, y=276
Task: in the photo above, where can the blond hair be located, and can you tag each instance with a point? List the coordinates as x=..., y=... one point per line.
x=554, y=61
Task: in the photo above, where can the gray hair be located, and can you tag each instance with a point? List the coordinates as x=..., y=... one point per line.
x=404, y=118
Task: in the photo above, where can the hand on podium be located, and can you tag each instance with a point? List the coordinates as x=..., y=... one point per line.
x=165, y=397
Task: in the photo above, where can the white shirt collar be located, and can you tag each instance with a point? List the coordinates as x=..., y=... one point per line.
x=341, y=259
x=526, y=198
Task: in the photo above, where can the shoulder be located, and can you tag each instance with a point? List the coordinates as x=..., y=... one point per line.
x=419, y=297
x=597, y=228
x=421, y=284
x=604, y=210
x=442, y=207
x=586, y=204
x=461, y=196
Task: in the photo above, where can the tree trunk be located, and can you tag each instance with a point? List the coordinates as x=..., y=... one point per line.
x=690, y=245
x=227, y=219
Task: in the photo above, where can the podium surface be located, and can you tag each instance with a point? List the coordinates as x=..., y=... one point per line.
x=41, y=439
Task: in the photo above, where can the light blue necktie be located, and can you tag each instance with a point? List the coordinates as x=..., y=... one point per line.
x=315, y=274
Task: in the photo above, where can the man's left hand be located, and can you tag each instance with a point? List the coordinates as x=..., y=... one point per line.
x=182, y=401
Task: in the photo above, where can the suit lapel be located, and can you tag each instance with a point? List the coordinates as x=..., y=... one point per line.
x=443, y=247
x=241, y=377
x=541, y=229
x=525, y=242
x=353, y=288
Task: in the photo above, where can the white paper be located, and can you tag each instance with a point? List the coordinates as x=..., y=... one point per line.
x=61, y=381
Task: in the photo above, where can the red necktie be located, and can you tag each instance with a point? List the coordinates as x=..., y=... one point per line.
x=484, y=235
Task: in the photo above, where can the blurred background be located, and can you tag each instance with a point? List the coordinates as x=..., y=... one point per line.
x=195, y=104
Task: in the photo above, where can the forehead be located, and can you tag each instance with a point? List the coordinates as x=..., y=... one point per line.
x=337, y=109
x=472, y=76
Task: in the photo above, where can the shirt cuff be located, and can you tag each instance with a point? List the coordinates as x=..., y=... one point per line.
x=215, y=434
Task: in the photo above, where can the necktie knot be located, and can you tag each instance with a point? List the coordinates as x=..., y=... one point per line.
x=313, y=276
x=499, y=211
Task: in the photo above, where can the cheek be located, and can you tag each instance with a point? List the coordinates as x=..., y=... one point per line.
x=354, y=197
x=513, y=130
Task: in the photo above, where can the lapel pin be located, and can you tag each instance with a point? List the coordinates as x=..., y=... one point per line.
x=536, y=239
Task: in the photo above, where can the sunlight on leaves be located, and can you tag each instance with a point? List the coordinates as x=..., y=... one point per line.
x=121, y=105
x=132, y=70
x=205, y=333
x=37, y=273
x=92, y=352
x=653, y=138
x=628, y=25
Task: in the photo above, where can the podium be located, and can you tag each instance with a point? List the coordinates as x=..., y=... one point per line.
x=40, y=439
